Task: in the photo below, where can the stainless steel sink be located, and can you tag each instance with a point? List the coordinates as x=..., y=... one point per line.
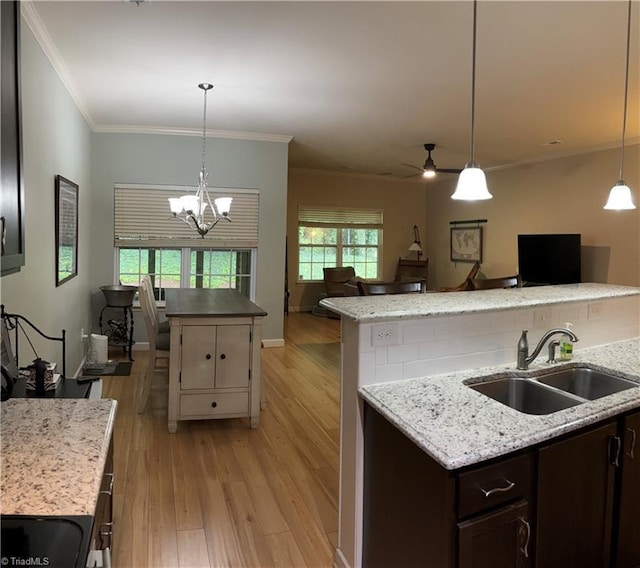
x=554, y=390
x=526, y=395
x=586, y=383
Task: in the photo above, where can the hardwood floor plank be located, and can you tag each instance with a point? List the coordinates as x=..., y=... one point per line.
x=192, y=549
x=187, y=500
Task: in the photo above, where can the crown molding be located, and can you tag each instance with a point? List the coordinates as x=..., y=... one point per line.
x=165, y=130
x=37, y=27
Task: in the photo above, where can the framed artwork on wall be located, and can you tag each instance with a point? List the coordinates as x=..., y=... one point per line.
x=66, y=230
x=12, y=198
x=466, y=244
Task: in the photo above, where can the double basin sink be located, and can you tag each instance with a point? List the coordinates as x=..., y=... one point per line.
x=552, y=391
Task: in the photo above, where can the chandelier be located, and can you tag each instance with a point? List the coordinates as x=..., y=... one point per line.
x=192, y=209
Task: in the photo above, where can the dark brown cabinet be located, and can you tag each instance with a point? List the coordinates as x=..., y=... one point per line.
x=571, y=501
x=102, y=532
x=575, y=499
x=627, y=550
x=499, y=539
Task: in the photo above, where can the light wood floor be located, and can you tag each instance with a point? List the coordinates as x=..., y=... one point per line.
x=219, y=494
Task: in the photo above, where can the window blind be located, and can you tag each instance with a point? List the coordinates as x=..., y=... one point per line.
x=142, y=218
x=311, y=216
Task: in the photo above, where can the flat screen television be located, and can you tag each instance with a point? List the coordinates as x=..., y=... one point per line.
x=549, y=259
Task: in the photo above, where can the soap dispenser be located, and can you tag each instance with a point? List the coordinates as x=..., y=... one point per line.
x=566, y=345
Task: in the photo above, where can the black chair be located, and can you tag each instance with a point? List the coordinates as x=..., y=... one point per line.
x=378, y=288
x=514, y=281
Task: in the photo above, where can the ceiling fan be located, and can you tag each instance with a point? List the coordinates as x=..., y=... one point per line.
x=429, y=169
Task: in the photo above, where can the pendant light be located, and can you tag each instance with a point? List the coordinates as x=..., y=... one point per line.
x=620, y=198
x=472, y=183
x=192, y=209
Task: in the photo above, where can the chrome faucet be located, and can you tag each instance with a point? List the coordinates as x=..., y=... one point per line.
x=523, y=345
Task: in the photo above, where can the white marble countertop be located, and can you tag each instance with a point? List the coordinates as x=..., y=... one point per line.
x=458, y=426
x=53, y=453
x=402, y=306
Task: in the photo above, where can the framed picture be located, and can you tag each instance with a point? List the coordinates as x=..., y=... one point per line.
x=466, y=244
x=66, y=230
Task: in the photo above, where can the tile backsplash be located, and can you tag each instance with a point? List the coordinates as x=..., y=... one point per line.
x=435, y=345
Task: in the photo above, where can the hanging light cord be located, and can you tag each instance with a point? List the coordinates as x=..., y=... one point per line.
x=626, y=88
x=473, y=81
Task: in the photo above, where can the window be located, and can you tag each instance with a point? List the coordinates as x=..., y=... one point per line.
x=206, y=268
x=338, y=237
x=149, y=241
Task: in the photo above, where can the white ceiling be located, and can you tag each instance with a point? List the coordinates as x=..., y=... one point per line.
x=360, y=86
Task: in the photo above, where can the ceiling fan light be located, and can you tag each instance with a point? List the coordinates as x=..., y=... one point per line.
x=429, y=173
x=620, y=198
x=472, y=184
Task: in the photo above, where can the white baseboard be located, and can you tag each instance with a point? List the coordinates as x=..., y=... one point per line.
x=268, y=343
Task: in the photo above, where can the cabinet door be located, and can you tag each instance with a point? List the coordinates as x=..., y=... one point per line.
x=198, y=367
x=233, y=346
x=500, y=539
x=628, y=544
x=575, y=500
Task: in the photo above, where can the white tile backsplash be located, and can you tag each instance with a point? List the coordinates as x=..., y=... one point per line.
x=453, y=343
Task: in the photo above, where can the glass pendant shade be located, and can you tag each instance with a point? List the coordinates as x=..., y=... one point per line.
x=472, y=184
x=175, y=205
x=223, y=205
x=190, y=203
x=620, y=197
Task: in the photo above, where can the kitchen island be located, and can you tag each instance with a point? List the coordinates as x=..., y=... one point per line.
x=56, y=461
x=387, y=339
x=214, y=366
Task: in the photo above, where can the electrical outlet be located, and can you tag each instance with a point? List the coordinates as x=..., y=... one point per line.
x=594, y=311
x=384, y=334
x=83, y=335
x=541, y=318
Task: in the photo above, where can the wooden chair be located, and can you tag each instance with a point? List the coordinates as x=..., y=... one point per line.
x=376, y=288
x=336, y=278
x=467, y=283
x=411, y=270
x=163, y=327
x=158, y=343
x=492, y=283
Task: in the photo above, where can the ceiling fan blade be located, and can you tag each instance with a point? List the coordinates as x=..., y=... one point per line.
x=411, y=176
x=448, y=170
x=414, y=167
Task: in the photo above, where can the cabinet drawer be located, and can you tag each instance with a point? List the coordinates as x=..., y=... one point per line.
x=214, y=404
x=486, y=487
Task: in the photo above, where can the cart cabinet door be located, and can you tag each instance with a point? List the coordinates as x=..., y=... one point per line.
x=233, y=346
x=198, y=357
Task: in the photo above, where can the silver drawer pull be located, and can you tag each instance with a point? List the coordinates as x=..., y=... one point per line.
x=631, y=452
x=490, y=492
x=110, y=490
x=525, y=529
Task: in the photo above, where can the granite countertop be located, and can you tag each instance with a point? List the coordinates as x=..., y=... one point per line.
x=458, y=426
x=405, y=306
x=53, y=453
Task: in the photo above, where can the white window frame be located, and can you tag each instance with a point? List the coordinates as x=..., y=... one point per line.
x=340, y=219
